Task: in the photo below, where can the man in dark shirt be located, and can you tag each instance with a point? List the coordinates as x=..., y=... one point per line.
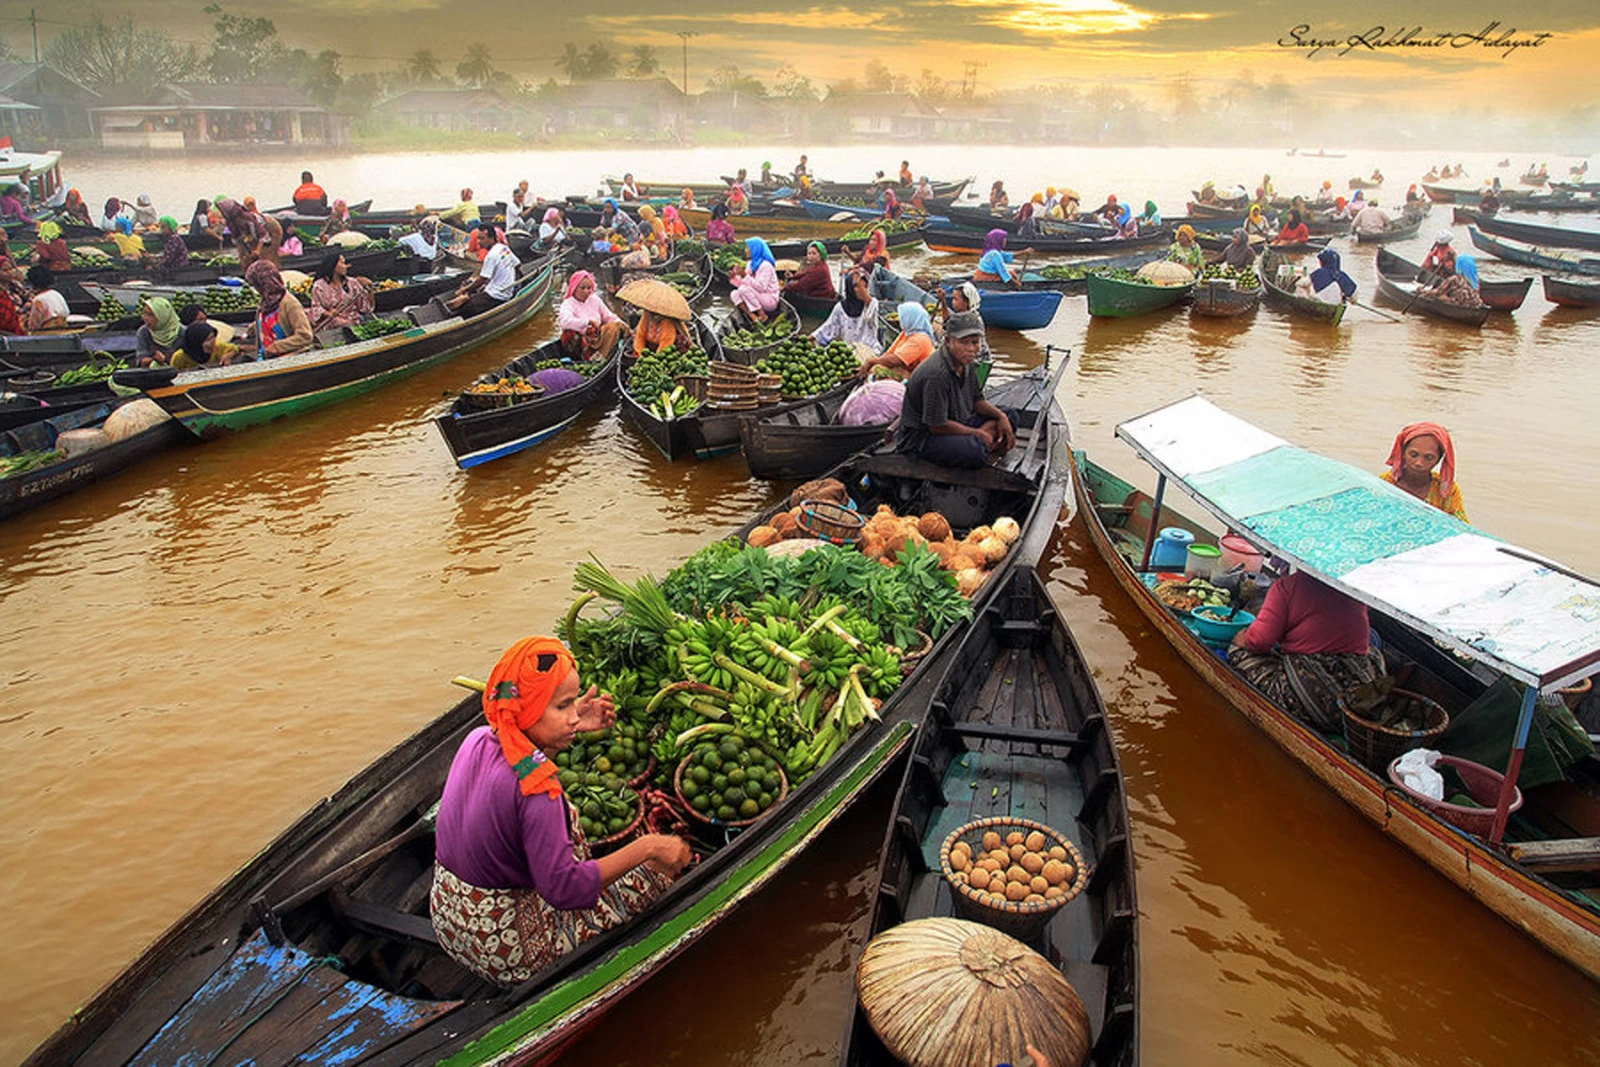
x=945, y=419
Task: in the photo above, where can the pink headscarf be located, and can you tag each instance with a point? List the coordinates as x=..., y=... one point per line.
x=552, y=216
x=1447, y=466
x=577, y=276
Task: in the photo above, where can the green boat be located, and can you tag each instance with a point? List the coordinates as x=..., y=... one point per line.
x=1305, y=306
x=1116, y=299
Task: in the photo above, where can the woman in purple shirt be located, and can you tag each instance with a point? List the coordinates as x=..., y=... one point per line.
x=514, y=887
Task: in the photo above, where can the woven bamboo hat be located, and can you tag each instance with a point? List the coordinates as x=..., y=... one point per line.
x=786, y=265
x=659, y=297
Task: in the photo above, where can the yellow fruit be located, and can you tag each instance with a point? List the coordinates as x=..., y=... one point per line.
x=1057, y=852
x=1035, y=842
x=960, y=861
x=979, y=878
x=1015, y=837
x=1018, y=851
x=1053, y=892
x=1032, y=862
x=1016, y=891
x=1055, y=872
x=1017, y=874
x=1033, y=898
x=1002, y=856
x=991, y=841
x=989, y=864
x=1038, y=885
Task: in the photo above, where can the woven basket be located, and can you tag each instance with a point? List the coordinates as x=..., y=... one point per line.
x=1021, y=919
x=490, y=401
x=700, y=816
x=1375, y=746
x=831, y=522
x=1482, y=782
x=911, y=659
x=734, y=373
x=693, y=384
x=623, y=836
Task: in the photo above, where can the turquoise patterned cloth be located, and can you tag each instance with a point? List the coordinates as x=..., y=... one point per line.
x=1336, y=534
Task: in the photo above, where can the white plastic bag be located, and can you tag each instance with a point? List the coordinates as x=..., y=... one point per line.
x=1417, y=773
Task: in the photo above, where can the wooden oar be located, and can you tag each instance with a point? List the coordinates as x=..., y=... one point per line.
x=1375, y=311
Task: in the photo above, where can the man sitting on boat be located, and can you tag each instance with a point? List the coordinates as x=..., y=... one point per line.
x=310, y=198
x=1370, y=220
x=1417, y=450
x=514, y=887
x=944, y=418
x=494, y=284
x=1308, y=644
x=425, y=242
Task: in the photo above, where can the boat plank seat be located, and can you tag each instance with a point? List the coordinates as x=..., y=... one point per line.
x=382, y=919
x=271, y=1004
x=894, y=464
x=984, y=731
x=1567, y=854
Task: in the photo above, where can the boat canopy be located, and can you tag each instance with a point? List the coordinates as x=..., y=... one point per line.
x=1523, y=615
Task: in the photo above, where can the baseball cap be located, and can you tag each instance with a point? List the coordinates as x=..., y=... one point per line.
x=963, y=324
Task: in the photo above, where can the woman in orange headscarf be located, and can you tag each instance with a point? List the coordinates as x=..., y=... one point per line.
x=514, y=888
x=1418, y=449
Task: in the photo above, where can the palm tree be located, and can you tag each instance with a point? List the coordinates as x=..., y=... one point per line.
x=600, y=61
x=423, y=67
x=476, y=68
x=572, y=63
x=643, y=62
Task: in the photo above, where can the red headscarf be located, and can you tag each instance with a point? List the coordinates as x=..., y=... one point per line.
x=1447, y=466
x=518, y=692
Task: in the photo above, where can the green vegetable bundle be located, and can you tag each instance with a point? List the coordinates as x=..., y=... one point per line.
x=23, y=462
x=365, y=331
x=652, y=381
x=888, y=226
x=97, y=371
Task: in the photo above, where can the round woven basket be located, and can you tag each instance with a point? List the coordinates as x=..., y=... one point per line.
x=910, y=660
x=1375, y=746
x=1020, y=918
x=623, y=836
x=693, y=384
x=831, y=522
x=472, y=401
x=700, y=816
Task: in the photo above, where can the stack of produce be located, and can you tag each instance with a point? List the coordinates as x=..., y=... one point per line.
x=807, y=367
x=587, y=368
x=725, y=780
x=690, y=249
x=652, y=381
x=386, y=284
x=502, y=392
x=686, y=282
x=759, y=335
x=888, y=226
x=366, y=331
x=100, y=370
x=1064, y=272
x=1245, y=278
x=23, y=462
x=1184, y=596
x=727, y=257
x=111, y=309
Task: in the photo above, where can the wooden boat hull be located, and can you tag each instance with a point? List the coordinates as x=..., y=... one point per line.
x=669, y=436
x=1304, y=306
x=1019, y=675
x=1362, y=183
x=1018, y=309
x=951, y=239
x=1530, y=257
x=1559, y=236
x=753, y=225
x=1571, y=294
x=1408, y=297
x=1069, y=286
x=477, y=437
x=219, y=399
x=23, y=492
x=1215, y=301
x=713, y=433
x=1112, y=298
x=1532, y=904
x=1496, y=296
x=798, y=441
x=1397, y=230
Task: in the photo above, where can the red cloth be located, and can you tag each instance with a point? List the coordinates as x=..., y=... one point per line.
x=1440, y=256
x=1290, y=235
x=1304, y=617
x=814, y=281
x=1447, y=466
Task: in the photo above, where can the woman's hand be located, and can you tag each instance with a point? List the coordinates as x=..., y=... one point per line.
x=596, y=710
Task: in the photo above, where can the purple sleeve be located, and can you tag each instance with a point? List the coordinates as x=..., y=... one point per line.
x=557, y=876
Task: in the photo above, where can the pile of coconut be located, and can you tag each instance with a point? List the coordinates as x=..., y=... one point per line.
x=886, y=535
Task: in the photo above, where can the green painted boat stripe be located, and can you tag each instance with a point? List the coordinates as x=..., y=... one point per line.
x=545, y=1011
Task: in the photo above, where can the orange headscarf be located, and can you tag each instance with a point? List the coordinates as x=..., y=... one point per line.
x=1447, y=466
x=516, y=696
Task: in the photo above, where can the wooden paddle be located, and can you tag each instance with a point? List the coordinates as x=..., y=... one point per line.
x=1375, y=311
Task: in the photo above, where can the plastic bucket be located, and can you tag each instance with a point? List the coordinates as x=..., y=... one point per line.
x=1172, y=548
x=1201, y=561
x=1236, y=551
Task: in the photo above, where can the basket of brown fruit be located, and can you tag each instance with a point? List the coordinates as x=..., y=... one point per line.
x=1011, y=873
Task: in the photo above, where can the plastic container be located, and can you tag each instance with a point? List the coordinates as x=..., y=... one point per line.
x=1236, y=551
x=1482, y=782
x=1171, y=549
x=1201, y=561
x=1214, y=626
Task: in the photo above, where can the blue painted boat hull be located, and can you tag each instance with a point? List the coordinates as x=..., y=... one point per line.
x=1021, y=309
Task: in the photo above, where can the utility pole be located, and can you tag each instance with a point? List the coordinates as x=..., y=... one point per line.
x=684, y=35
x=38, y=78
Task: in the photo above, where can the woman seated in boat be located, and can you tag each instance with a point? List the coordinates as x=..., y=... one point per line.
x=1028, y=221
x=719, y=230
x=906, y=353
x=200, y=225
x=424, y=243
x=130, y=245
x=1432, y=175
x=1186, y=250
x=889, y=204
x=282, y=326
x=145, y=216
x=14, y=296
x=855, y=317
x=552, y=229
x=1441, y=256
x=738, y=202
x=874, y=255
x=923, y=195
x=1265, y=190
x=292, y=245
x=613, y=217
x=1256, y=224
x=815, y=279
x=1412, y=196
x=589, y=329
x=337, y=299
x=631, y=190
x=654, y=230
x=1294, y=232
x=113, y=211
x=1239, y=253
x=994, y=265
x=655, y=331
x=674, y=223
x=47, y=308
x=255, y=235
x=1417, y=450
x=1377, y=176
x=74, y=209
x=686, y=200
x=465, y=213
x=755, y=283
x=1150, y=217
x=160, y=337
x=1208, y=193
x=51, y=249
x=998, y=200
x=1328, y=283
x=514, y=887
x=1308, y=645
x=1067, y=206
x=203, y=346
x=1455, y=287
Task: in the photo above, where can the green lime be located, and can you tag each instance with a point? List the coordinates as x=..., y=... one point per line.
x=702, y=775
x=749, y=809
x=701, y=803
x=726, y=814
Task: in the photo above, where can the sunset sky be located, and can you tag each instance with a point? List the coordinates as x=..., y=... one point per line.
x=1141, y=43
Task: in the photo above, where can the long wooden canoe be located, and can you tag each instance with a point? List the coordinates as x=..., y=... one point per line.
x=1397, y=230
x=24, y=491
x=955, y=239
x=1571, y=294
x=1411, y=297
x=1529, y=893
x=1213, y=300
x=1560, y=236
x=249, y=971
x=1114, y=298
x=669, y=436
x=216, y=399
x=1305, y=306
x=1496, y=295
x=1018, y=729
x=1545, y=259
x=1076, y=281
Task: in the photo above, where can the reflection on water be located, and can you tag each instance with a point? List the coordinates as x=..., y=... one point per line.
x=202, y=647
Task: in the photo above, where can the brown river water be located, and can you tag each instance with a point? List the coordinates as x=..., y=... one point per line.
x=204, y=646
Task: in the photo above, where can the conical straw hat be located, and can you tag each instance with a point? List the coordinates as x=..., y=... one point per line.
x=659, y=297
x=786, y=265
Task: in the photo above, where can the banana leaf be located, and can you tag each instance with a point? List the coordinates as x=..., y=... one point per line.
x=1484, y=730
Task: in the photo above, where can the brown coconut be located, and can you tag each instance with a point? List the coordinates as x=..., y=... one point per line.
x=762, y=536
x=830, y=489
x=787, y=525
x=934, y=526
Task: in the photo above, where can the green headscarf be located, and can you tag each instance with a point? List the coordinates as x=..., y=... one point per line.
x=822, y=249
x=167, y=222
x=49, y=231
x=167, y=327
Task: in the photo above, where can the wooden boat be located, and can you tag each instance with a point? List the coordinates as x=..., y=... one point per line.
x=1411, y=297
x=1213, y=300
x=1114, y=298
x=1077, y=284
x=1575, y=187
x=1496, y=295
x=1216, y=242
x=670, y=436
x=753, y=225
x=214, y=399
x=1003, y=308
x=1571, y=294
x=416, y=289
x=1018, y=713
x=1533, y=233
x=28, y=489
x=1363, y=183
x=1545, y=259
x=248, y=971
x=1223, y=209
x=1559, y=204
x=611, y=273
x=1541, y=876
x=65, y=349
x=710, y=432
x=373, y=263
x=857, y=190
x=955, y=239
x=1534, y=178
x=475, y=435
x=27, y=398
x=739, y=319
x=1305, y=306
x=800, y=440
x=1397, y=230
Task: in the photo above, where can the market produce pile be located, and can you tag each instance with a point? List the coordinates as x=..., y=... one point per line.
x=758, y=334
x=23, y=462
x=99, y=370
x=686, y=282
x=689, y=248
x=88, y=258
x=652, y=381
x=888, y=226
x=726, y=780
x=1184, y=596
x=366, y=331
x=1018, y=867
x=1062, y=272
x=807, y=367
x=385, y=284
x=214, y=300
x=728, y=257
x=1246, y=279
x=587, y=368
